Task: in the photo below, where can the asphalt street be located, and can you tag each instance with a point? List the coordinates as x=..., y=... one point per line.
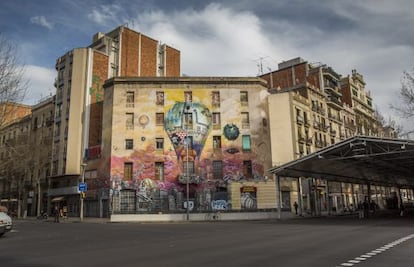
x=331, y=241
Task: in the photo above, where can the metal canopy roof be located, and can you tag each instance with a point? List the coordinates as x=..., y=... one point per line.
x=359, y=159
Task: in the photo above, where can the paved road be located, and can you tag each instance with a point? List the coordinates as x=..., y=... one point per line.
x=291, y=242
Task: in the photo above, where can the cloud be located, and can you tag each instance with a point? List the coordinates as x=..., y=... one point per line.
x=219, y=40
x=234, y=37
x=214, y=41
x=41, y=20
x=41, y=82
x=107, y=14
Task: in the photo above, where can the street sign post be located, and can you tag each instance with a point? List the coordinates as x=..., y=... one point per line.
x=83, y=187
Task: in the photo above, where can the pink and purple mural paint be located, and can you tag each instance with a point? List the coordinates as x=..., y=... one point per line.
x=162, y=187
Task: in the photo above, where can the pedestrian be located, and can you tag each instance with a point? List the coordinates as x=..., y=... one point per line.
x=401, y=210
x=373, y=206
x=296, y=207
x=57, y=214
x=360, y=210
x=366, y=208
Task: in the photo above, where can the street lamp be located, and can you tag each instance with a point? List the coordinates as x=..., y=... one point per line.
x=83, y=167
x=187, y=107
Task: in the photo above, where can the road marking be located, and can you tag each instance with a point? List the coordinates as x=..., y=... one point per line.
x=377, y=251
x=360, y=258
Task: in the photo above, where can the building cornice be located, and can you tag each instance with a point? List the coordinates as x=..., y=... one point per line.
x=186, y=80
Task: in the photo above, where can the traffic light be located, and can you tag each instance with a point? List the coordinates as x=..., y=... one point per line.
x=83, y=195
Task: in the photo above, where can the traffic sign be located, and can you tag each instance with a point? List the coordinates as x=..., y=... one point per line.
x=83, y=187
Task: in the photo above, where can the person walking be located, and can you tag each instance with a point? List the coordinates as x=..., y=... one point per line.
x=366, y=207
x=296, y=207
x=56, y=213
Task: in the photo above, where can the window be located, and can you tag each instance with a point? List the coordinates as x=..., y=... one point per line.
x=159, y=118
x=244, y=98
x=215, y=99
x=159, y=143
x=159, y=171
x=128, y=171
x=216, y=142
x=217, y=169
x=188, y=97
x=355, y=92
x=129, y=144
x=129, y=121
x=216, y=120
x=160, y=99
x=245, y=120
x=246, y=143
x=299, y=118
x=247, y=169
x=114, y=70
x=130, y=99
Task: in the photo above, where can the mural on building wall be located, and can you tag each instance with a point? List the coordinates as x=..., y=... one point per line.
x=192, y=119
x=96, y=89
x=185, y=124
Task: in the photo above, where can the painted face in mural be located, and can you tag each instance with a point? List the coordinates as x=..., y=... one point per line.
x=193, y=119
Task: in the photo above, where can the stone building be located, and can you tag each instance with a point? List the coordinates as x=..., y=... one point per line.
x=159, y=133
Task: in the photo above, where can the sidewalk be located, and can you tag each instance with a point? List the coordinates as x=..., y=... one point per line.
x=66, y=220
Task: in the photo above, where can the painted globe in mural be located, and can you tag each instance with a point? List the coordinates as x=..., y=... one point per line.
x=185, y=119
x=231, y=131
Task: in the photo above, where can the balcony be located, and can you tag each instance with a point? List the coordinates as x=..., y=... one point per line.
x=335, y=118
x=318, y=143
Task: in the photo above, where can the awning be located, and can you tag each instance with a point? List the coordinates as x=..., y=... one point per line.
x=359, y=159
x=57, y=199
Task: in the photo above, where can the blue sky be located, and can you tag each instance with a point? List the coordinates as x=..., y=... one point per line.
x=226, y=38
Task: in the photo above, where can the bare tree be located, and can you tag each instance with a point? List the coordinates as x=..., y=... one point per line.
x=406, y=110
x=13, y=86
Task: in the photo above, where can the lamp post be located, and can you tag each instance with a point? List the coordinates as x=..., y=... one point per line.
x=187, y=107
x=83, y=166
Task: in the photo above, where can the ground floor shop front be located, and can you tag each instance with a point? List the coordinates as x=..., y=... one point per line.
x=311, y=196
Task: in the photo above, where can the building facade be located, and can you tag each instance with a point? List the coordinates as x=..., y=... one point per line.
x=359, y=99
x=24, y=176
x=161, y=133
x=81, y=74
x=311, y=107
x=16, y=164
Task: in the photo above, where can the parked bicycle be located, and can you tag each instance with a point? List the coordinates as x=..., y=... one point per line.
x=213, y=216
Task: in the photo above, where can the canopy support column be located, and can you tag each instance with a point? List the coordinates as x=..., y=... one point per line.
x=300, y=196
x=279, y=194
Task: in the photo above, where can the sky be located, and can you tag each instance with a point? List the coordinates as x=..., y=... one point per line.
x=227, y=38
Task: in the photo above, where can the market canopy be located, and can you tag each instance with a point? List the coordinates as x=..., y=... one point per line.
x=359, y=159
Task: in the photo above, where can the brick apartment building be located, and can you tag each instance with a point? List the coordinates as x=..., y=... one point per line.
x=79, y=101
